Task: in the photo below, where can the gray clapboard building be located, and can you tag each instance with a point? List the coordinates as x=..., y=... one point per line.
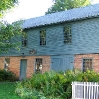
x=58, y=41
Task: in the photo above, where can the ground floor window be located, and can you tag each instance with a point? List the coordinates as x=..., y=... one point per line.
x=38, y=65
x=6, y=63
x=87, y=64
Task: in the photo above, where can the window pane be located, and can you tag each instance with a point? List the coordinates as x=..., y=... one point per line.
x=87, y=64
x=43, y=37
x=38, y=65
x=24, y=40
x=6, y=63
x=67, y=34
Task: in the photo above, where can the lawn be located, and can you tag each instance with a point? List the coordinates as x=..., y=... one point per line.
x=7, y=91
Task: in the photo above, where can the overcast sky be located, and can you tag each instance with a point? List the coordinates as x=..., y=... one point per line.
x=30, y=8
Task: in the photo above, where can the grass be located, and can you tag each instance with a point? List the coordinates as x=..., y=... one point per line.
x=7, y=91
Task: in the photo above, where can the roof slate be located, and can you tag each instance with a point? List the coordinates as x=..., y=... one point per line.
x=64, y=16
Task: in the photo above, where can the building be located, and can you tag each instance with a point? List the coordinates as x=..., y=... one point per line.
x=58, y=41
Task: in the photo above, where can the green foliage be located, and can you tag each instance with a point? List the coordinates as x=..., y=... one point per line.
x=53, y=85
x=6, y=4
x=61, y=5
x=90, y=76
x=7, y=33
x=29, y=93
x=7, y=91
x=7, y=76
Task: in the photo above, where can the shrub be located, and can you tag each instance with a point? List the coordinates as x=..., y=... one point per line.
x=53, y=85
x=7, y=76
x=50, y=85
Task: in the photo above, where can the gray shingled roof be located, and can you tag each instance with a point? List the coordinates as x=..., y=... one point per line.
x=64, y=16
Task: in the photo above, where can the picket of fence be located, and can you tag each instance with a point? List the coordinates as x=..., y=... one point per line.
x=85, y=90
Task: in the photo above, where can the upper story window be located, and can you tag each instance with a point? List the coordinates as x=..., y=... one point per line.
x=43, y=37
x=24, y=40
x=67, y=34
x=87, y=64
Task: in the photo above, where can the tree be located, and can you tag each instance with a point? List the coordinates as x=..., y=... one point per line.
x=61, y=5
x=6, y=5
x=8, y=31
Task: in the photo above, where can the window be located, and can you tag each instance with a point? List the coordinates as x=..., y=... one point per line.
x=67, y=34
x=6, y=63
x=87, y=64
x=43, y=37
x=38, y=65
x=24, y=40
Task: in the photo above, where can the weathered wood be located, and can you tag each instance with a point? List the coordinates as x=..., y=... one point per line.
x=85, y=39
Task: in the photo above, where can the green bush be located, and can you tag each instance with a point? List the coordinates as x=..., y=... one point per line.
x=7, y=76
x=53, y=85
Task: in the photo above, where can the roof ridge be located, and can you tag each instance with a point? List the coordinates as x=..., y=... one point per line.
x=68, y=15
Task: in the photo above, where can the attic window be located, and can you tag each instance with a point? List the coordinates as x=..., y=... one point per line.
x=43, y=37
x=24, y=39
x=67, y=34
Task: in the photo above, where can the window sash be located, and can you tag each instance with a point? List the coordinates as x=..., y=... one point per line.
x=24, y=40
x=87, y=64
x=67, y=34
x=38, y=65
x=6, y=63
x=43, y=37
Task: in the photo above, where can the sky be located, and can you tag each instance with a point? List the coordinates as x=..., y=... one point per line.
x=30, y=9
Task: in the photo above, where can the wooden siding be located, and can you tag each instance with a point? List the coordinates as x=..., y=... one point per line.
x=85, y=39
x=62, y=63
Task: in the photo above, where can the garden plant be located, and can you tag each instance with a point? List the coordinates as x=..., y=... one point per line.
x=53, y=85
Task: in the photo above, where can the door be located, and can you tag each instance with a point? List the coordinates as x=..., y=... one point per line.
x=62, y=63
x=56, y=64
x=68, y=63
x=23, y=67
